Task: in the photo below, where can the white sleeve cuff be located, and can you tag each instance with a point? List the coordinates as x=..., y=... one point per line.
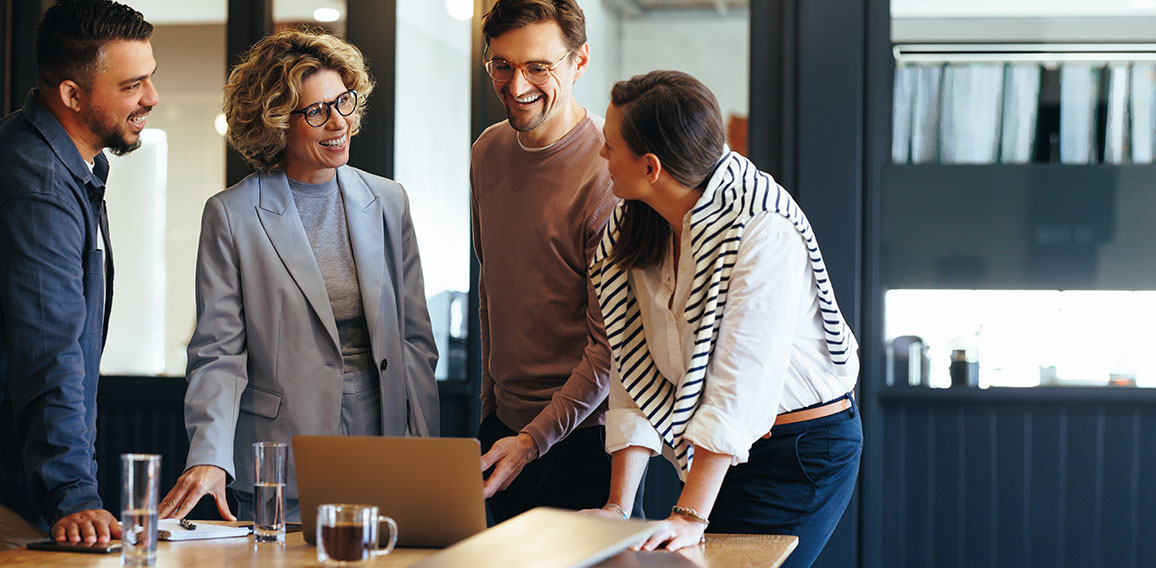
x=717, y=432
x=628, y=427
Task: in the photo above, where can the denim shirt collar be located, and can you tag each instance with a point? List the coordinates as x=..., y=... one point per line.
x=44, y=121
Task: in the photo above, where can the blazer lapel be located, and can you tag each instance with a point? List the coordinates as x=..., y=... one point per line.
x=282, y=224
x=366, y=224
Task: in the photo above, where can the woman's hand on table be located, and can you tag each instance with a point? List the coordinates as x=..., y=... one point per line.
x=603, y=513
x=194, y=483
x=674, y=533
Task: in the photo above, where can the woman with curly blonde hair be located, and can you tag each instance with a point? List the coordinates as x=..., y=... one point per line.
x=311, y=312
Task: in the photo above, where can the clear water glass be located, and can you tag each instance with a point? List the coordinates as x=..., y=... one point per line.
x=271, y=460
x=140, y=482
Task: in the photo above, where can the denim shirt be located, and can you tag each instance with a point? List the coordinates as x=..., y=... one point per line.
x=53, y=316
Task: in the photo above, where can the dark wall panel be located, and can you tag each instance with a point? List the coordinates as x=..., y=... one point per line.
x=1145, y=496
x=829, y=137
x=139, y=415
x=1118, y=530
x=1018, y=483
x=1009, y=451
x=979, y=491
x=372, y=26
x=1046, y=491
x=1082, y=450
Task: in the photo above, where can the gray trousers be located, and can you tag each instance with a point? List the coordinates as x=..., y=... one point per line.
x=15, y=532
x=360, y=416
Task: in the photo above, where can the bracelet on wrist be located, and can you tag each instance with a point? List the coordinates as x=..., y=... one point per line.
x=618, y=509
x=690, y=514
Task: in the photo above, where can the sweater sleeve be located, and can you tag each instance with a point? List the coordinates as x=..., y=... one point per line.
x=588, y=384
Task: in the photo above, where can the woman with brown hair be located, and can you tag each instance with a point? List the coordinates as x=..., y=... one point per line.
x=730, y=355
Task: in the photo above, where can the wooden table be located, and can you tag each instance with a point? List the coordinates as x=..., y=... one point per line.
x=732, y=551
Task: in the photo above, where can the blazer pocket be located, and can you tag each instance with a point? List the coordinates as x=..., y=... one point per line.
x=259, y=401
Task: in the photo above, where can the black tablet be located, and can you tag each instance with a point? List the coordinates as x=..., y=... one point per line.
x=96, y=548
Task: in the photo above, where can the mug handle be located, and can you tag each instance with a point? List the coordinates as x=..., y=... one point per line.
x=392, y=536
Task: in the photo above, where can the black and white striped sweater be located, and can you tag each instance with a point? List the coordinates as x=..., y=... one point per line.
x=736, y=192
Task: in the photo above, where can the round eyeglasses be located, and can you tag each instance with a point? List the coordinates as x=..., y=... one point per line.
x=537, y=73
x=317, y=114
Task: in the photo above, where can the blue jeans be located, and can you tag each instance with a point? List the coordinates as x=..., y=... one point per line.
x=796, y=482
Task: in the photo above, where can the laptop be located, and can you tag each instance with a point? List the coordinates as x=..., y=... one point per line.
x=543, y=538
x=432, y=487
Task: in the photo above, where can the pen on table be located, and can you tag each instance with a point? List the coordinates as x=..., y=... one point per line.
x=187, y=524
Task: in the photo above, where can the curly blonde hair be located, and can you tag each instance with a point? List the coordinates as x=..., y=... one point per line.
x=266, y=86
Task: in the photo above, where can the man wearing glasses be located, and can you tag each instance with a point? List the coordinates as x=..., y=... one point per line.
x=311, y=313
x=540, y=198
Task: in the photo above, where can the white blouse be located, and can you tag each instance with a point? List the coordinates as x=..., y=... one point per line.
x=770, y=356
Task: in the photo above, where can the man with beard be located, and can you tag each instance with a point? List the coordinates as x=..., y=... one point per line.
x=540, y=198
x=95, y=68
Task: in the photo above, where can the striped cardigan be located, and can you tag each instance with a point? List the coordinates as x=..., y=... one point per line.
x=736, y=192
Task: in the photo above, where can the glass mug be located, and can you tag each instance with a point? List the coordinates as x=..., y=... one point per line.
x=348, y=534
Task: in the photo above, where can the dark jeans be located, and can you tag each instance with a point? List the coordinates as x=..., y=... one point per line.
x=574, y=474
x=797, y=482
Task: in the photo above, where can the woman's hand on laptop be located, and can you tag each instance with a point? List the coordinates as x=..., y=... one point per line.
x=193, y=484
x=507, y=456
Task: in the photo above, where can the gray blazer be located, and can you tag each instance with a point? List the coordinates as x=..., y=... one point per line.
x=265, y=360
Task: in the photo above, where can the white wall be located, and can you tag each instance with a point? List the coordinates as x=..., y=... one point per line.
x=714, y=48
x=432, y=153
x=136, y=198
x=190, y=78
x=433, y=137
x=602, y=33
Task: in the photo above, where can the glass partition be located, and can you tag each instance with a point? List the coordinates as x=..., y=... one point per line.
x=1019, y=338
x=707, y=39
x=157, y=193
x=432, y=160
x=1014, y=245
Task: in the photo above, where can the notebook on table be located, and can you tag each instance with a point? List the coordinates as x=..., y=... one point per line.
x=173, y=529
x=432, y=487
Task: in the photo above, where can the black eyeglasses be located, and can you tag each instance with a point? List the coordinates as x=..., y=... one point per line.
x=317, y=114
x=501, y=70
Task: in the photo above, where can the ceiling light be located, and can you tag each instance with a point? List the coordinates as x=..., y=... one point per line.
x=460, y=9
x=327, y=14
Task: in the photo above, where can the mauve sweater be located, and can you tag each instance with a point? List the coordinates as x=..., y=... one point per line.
x=537, y=216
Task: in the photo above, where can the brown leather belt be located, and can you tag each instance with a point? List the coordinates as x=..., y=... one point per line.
x=833, y=407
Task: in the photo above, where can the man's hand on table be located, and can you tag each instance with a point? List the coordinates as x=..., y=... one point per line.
x=507, y=456
x=90, y=527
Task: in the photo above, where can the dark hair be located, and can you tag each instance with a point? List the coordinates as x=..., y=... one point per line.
x=675, y=117
x=508, y=15
x=72, y=33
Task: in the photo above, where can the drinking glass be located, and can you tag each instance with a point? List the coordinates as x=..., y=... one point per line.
x=271, y=471
x=347, y=535
x=140, y=482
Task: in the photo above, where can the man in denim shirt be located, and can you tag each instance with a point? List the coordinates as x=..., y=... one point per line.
x=95, y=67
